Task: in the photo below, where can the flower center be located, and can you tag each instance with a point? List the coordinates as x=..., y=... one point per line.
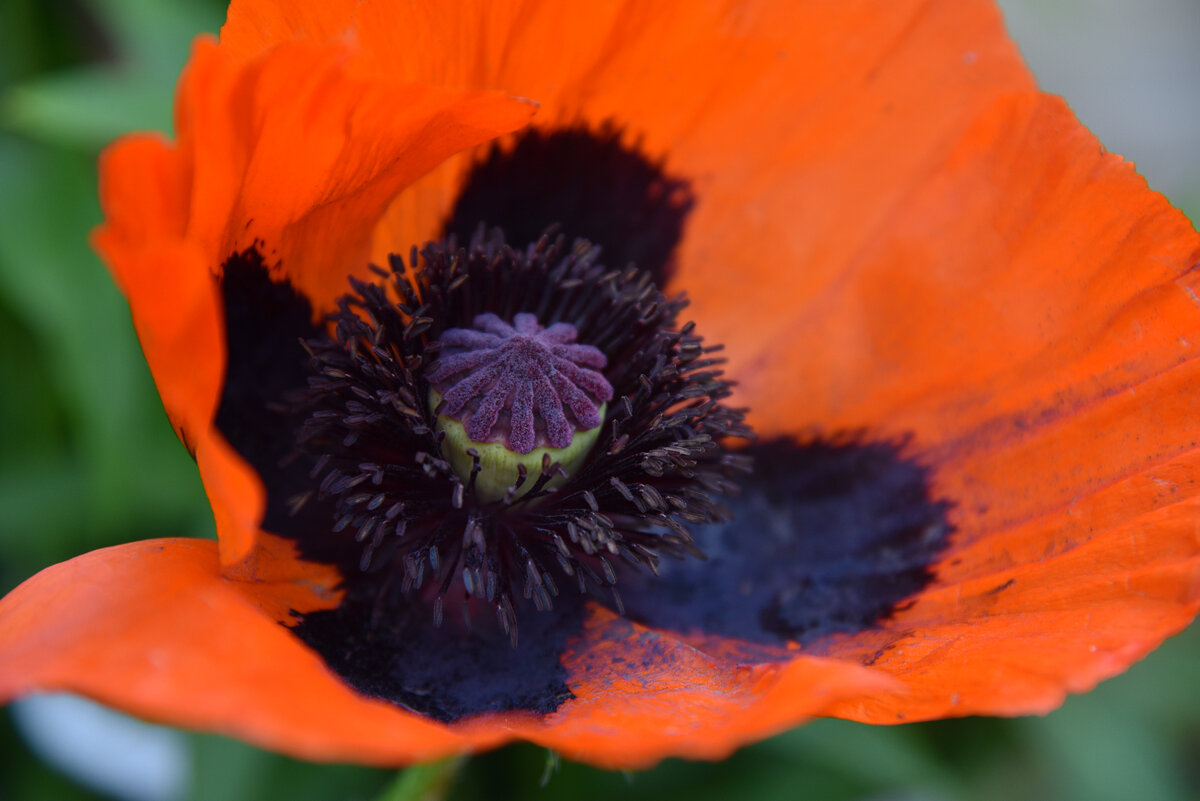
x=457, y=428
x=513, y=396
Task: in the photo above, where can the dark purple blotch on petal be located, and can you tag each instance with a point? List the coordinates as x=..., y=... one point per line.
x=446, y=672
x=827, y=537
x=265, y=320
x=595, y=183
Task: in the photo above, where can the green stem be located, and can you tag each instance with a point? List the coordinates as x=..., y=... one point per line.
x=429, y=782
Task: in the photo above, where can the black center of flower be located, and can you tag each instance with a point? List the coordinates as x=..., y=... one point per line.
x=832, y=533
x=524, y=346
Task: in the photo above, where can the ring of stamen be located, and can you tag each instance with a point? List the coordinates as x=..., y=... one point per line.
x=417, y=525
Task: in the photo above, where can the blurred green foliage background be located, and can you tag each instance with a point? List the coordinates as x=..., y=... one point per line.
x=87, y=459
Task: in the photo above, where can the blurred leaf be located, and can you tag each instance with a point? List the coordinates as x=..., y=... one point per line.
x=151, y=34
x=771, y=771
x=86, y=107
x=878, y=757
x=31, y=399
x=227, y=770
x=1094, y=753
x=1117, y=741
x=137, y=479
x=41, y=35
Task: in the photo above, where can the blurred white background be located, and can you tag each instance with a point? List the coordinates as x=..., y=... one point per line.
x=1131, y=71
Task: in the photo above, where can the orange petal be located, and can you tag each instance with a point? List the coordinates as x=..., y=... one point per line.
x=150, y=627
x=799, y=139
x=254, y=26
x=1007, y=631
x=170, y=289
x=643, y=696
x=176, y=310
x=296, y=150
x=1030, y=319
x=963, y=266
x=1028, y=276
x=257, y=163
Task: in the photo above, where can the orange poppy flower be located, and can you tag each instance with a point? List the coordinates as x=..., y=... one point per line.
x=964, y=334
